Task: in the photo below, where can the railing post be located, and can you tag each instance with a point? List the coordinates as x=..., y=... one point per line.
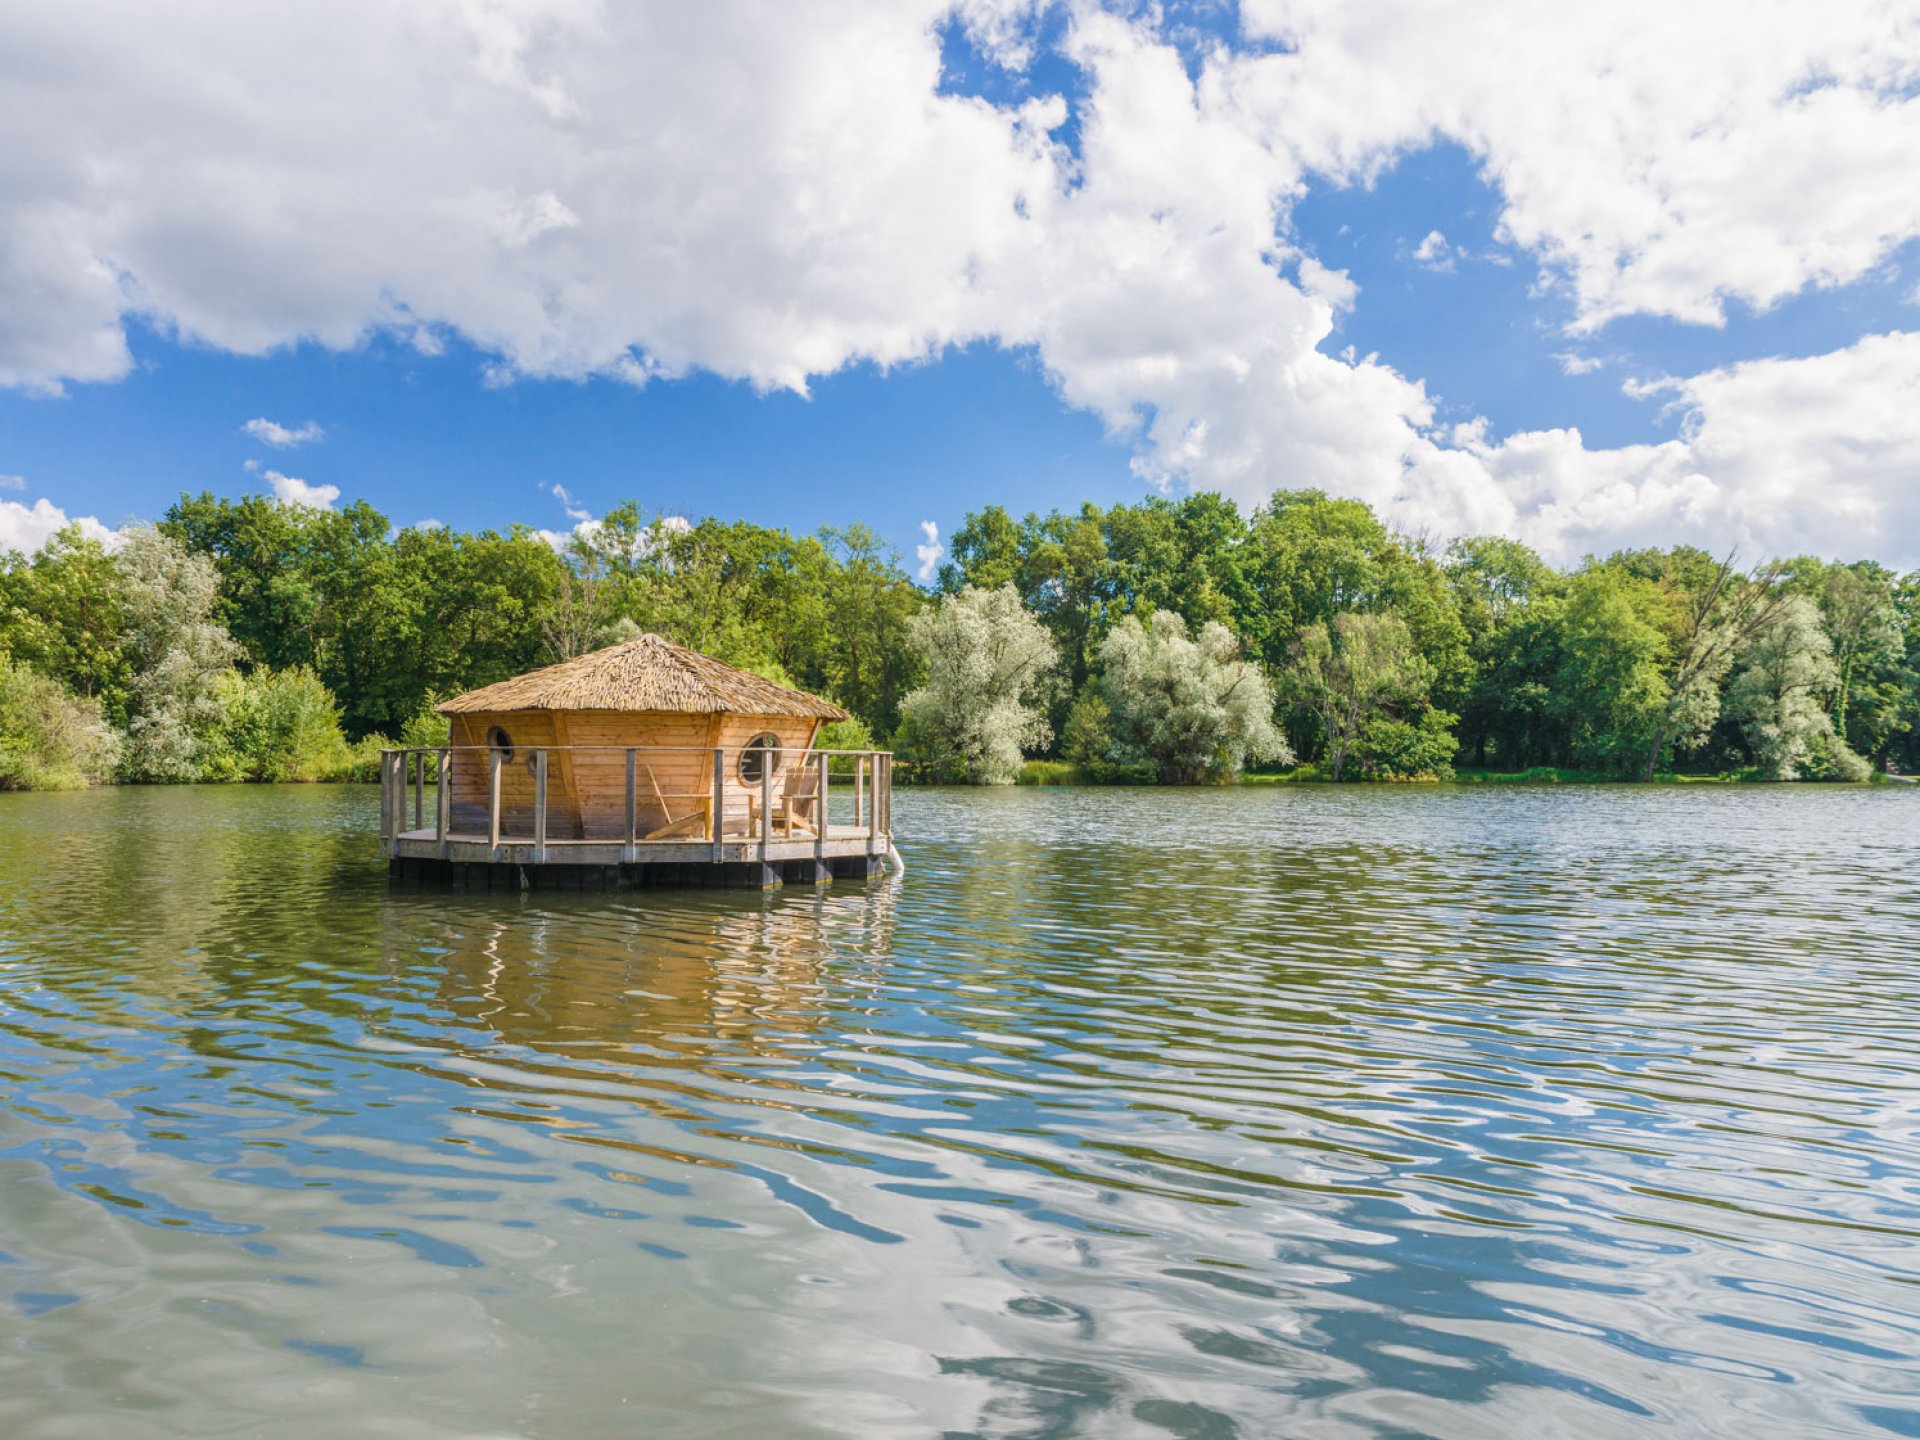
x=821, y=811
x=873, y=803
x=859, y=790
x=386, y=817
x=717, y=819
x=633, y=824
x=766, y=801
x=886, y=803
x=419, y=788
x=540, y=804
x=443, y=801
x=493, y=800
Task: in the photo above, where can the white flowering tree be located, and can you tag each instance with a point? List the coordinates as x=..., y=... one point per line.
x=989, y=666
x=179, y=654
x=1186, y=704
x=1776, y=696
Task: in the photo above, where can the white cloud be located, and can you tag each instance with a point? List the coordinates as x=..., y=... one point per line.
x=932, y=552
x=1333, y=287
x=521, y=222
x=1663, y=158
x=1434, y=253
x=575, y=510
x=13, y=482
x=1574, y=363
x=252, y=176
x=1782, y=457
x=607, y=199
x=26, y=528
x=429, y=524
x=283, y=437
x=291, y=490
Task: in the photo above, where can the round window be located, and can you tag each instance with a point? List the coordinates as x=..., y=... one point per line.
x=498, y=739
x=758, y=756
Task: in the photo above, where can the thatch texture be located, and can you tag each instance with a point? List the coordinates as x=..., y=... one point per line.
x=648, y=673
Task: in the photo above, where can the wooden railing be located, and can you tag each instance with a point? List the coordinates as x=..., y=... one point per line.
x=620, y=797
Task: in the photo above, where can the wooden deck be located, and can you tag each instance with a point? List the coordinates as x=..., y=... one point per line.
x=753, y=832
x=839, y=842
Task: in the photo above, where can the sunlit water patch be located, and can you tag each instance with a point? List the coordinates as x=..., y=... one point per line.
x=1303, y=1112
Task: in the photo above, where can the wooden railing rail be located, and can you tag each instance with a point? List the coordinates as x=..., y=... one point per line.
x=799, y=807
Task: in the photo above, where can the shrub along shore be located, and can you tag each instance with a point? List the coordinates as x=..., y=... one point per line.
x=1159, y=642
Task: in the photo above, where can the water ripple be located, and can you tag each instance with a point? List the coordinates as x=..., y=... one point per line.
x=1199, y=1114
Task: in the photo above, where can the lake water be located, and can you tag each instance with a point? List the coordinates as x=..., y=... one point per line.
x=1302, y=1112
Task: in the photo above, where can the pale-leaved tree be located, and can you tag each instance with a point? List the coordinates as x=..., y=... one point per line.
x=1776, y=695
x=989, y=669
x=1189, y=705
x=177, y=652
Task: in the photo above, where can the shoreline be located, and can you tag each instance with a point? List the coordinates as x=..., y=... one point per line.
x=1059, y=775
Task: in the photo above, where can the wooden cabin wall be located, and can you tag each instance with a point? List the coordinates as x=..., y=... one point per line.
x=795, y=732
x=682, y=775
x=525, y=728
x=587, y=789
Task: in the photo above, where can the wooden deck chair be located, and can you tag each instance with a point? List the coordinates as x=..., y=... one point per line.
x=800, y=800
x=695, y=818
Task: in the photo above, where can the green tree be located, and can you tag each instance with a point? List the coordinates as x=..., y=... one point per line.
x=1514, y=706
x=1311, y=558
x=870, y=608
x=50, y=739
x=1713, y=611
x=1857, y=607
x=65, y=617
x=281, y=725
x=269, y=581
x=1610, y=690
x=1496, y=585
x=985, y=552
x=1353, y=673
x=1086, y=739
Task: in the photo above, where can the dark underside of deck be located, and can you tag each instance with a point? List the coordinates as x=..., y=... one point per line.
x=469, y=862
x=432, y=872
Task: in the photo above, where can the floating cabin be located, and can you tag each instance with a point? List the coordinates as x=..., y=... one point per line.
x=644, y=763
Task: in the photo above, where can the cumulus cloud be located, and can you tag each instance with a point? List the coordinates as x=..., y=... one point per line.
x=26, y=528
x=1433, y=252
x=1663, y=159
x=610, y=205
x=13, y=482
x=1779, y=456
x=931, y=552
x=283, y=437
x=291, y=490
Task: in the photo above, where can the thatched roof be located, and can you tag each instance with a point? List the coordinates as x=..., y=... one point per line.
x=647, y=673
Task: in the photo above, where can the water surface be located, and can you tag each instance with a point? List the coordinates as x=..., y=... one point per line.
x=1308, y=1113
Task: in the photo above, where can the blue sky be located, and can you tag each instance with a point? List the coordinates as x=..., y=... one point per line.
x=427, y=438
x=1100, y=295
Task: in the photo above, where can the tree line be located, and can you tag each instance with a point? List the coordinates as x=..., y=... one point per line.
x=1173, y=640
